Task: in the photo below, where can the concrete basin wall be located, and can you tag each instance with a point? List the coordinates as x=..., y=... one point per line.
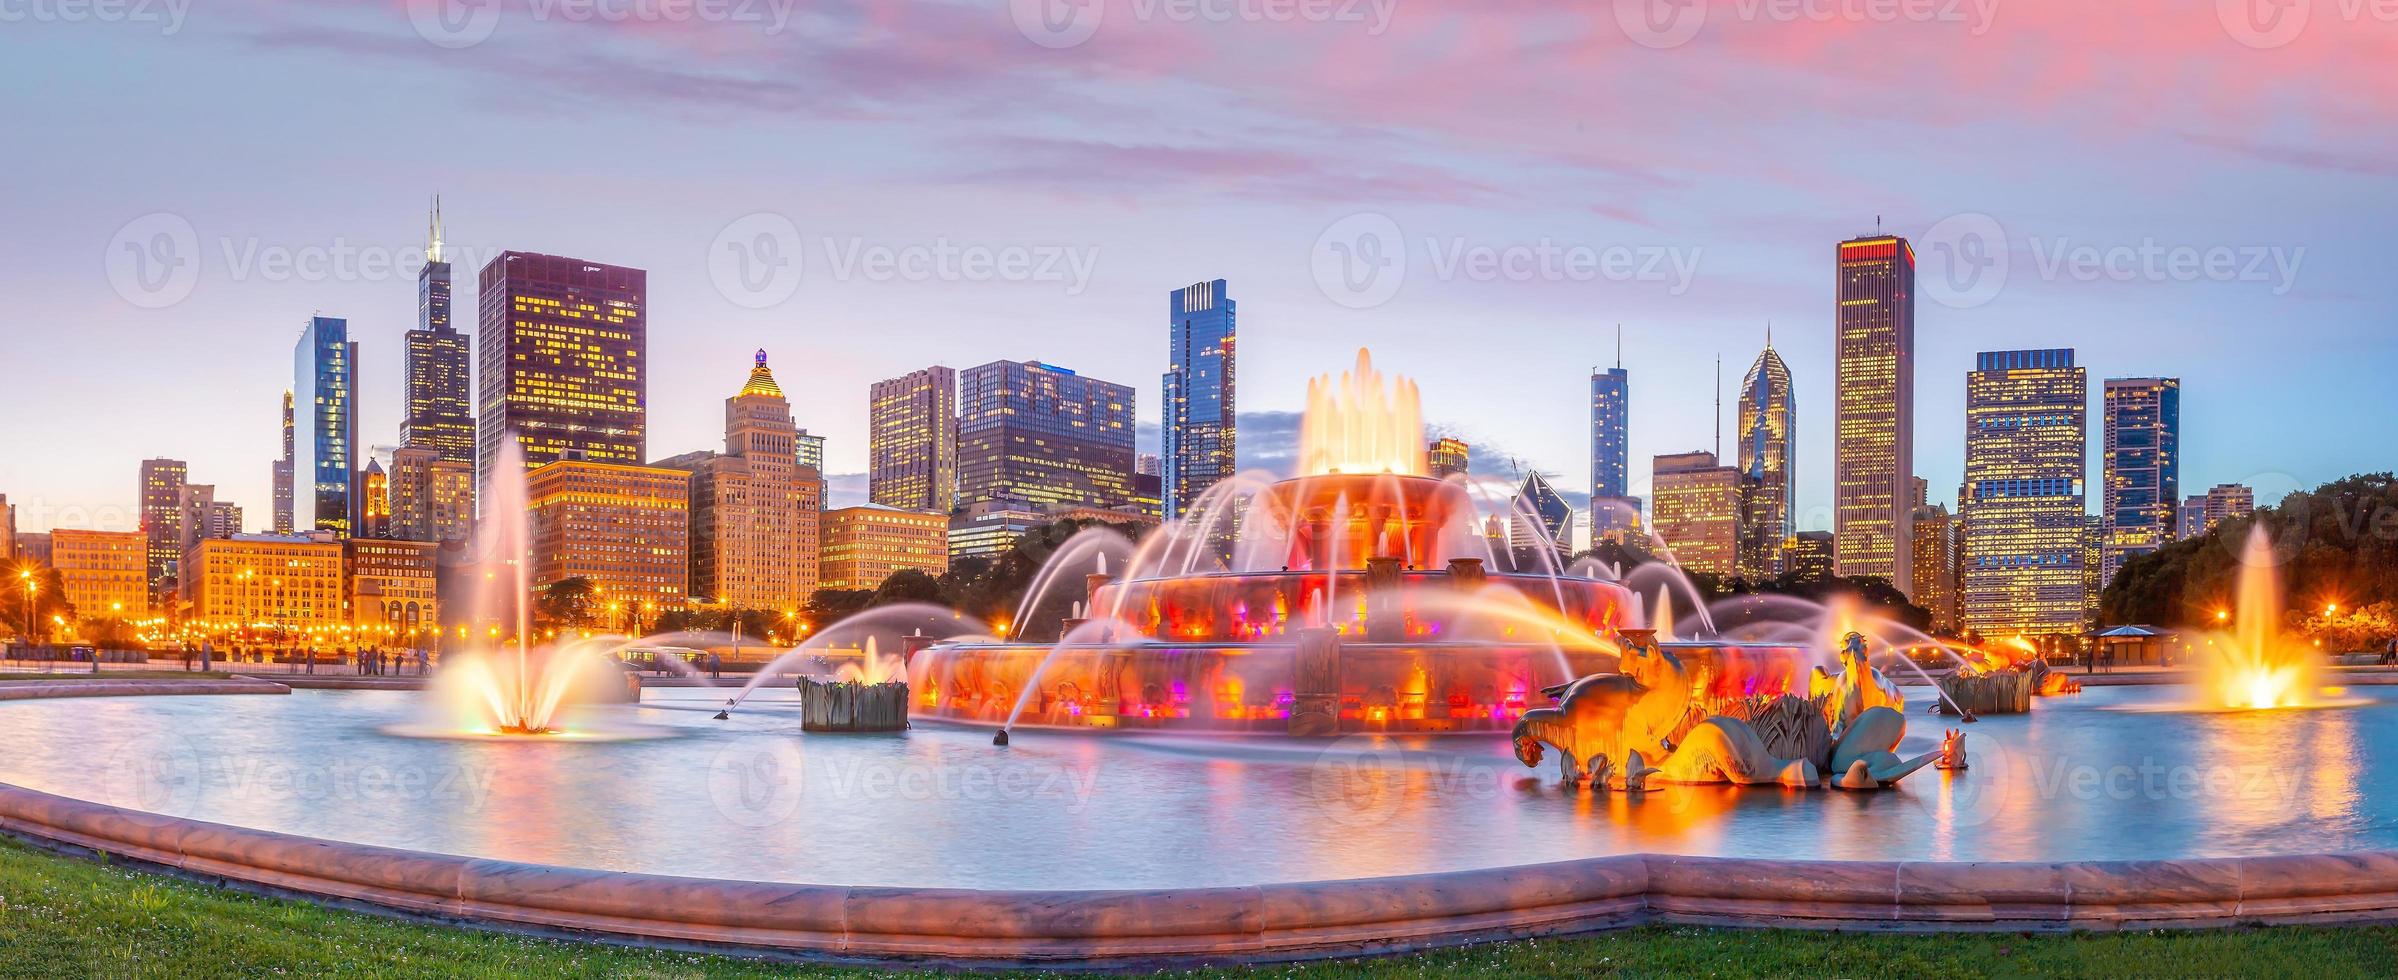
x=1256, y=923
x=101, y=686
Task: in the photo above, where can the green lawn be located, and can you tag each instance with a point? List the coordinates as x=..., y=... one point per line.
x=63, y=917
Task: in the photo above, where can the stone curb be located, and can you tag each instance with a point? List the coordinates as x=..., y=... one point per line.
x=1242, y=924
x=102, y=687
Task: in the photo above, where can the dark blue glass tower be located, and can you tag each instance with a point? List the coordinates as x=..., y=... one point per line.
x=1199, y=429
x=324, y=383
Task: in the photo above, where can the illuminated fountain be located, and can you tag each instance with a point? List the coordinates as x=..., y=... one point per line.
x=1360, y=595
x=2252, y=668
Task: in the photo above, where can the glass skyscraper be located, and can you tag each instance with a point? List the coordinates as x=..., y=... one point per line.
x=2026, y=424
x=2143, y=468
x=912, y=441
x=1873, y=420
x=1611, y=505
x=324, y=386
x=1199, y=432
x=563, y=361
x=1768, y=425
x=440, y=360
x=1042, y=435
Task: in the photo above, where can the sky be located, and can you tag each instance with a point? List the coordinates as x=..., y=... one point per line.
x=1481, y=193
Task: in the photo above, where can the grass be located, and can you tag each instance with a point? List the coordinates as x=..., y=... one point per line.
x=67, y=917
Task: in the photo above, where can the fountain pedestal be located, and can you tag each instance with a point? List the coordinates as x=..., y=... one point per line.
x=1385, y=620
x=1316, y=683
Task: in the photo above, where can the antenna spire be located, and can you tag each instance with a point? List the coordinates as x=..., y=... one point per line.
x=433, y=234
x=1719, y=408
x=1619, y=345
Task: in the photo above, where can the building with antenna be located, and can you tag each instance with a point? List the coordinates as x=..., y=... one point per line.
x=1767, y=427
x=1613, y=510
x=440, y=411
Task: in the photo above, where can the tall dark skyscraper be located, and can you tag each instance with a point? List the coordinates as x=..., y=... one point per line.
x=2026, y=415
x=1612, y=507
x=2143, y=468
x=1042, y=435
x=1768, y=427
x=325, y=452
x=162, y=519
x=1873, y=400
x=563, y=346
x=440, y=361
x=1200, y=433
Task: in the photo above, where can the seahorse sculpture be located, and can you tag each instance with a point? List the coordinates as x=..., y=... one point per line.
x=1862, y=756
x=1609, y=727
x=1586, y=728
x=1857, y=687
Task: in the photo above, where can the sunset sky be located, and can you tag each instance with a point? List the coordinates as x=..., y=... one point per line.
x=2188, y=189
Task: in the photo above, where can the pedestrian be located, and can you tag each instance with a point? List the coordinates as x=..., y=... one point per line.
x=187, y=658
x=715, y=664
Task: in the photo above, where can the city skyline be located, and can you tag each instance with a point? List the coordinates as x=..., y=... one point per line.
x=1138, y=227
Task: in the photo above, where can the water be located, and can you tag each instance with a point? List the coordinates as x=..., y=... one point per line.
x=2081, y=777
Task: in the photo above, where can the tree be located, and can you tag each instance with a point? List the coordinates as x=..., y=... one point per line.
x=49, y=600
x=908, y=585
x=568, y=602
x=2336, y=544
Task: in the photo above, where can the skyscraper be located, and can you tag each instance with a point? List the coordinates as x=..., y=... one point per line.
x=432, y=498
x=912, y=441
x=1768, y=425
x=162, y=519
x=1199, y=430
x=563, y=361
x=1695, y=505
x=1539, y=514
x=626, y=528
x=440, y=410
x=2229, y=502
x=1043, y=435
x=1935, y=566
x=1873, y=417
x=2026, y=415
x=283, y=497
x=1612, y=506
x=1446, y=456
x=2143, y=468
x=746, y=505
x=324, y=380
x=2190, y=520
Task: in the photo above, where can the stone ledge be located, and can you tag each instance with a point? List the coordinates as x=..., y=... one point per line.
x=1243, y=924
x=103, y=687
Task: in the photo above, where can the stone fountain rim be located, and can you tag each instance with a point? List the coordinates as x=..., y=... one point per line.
x=1113, y=928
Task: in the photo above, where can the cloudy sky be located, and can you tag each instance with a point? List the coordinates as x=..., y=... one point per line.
x=1480, y=192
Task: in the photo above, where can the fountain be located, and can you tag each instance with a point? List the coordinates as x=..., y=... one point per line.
x=2252, y=668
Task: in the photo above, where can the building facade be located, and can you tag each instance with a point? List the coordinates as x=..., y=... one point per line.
x=866, y=544
x=440, y=361
x=1768, y=428
x=276, y=589
x=1043, y=435
x=325, y=383
x=988, y=529
x=1873, y=417
x=105, y=573
x=432, y=496
x=392, y=598
x=1935, y=566
x=1613, y=509
x=282, y=521
x=1446, y=457
x=1200, y=434
x=2026, y=422
x=2228, y=502
x=1810, y=556
x=162, y=520
x=562, y=361
x=2142, y=478
x=747, y=505
x=1694, y=504
x=912, y=441
x=625, y=528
